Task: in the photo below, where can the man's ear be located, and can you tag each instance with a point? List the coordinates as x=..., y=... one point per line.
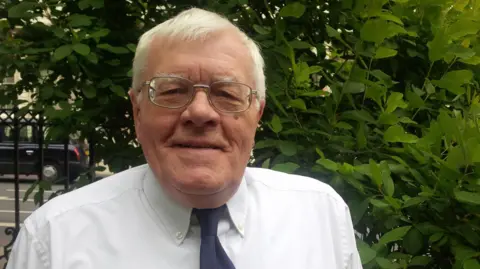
x=135, y=111
x=260, y=109
x=134, y=102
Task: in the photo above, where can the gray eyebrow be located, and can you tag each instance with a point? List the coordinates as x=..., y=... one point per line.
x=161, y=74
x=226, y=78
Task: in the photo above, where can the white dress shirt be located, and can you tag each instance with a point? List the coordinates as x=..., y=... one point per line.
x=275, y=220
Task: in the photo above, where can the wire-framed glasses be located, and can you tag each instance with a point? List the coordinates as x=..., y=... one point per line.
x=176, y=92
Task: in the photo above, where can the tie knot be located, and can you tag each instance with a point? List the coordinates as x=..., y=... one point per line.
x=208, y=219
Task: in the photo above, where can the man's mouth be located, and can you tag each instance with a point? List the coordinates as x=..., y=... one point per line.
x=196, y=146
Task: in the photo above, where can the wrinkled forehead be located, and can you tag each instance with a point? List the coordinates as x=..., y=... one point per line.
x=220, y=56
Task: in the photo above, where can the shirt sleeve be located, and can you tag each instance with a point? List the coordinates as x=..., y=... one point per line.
x=27, y=252
x=354, y=261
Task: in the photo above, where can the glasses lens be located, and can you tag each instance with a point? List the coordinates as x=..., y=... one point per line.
x=230, y=96
x=170, y=92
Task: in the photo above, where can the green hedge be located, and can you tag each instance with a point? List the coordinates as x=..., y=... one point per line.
x=398, y=136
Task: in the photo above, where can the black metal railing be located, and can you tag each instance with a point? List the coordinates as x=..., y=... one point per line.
x=25, y=151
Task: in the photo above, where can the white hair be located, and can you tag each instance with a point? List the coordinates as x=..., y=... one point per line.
x=191, y=25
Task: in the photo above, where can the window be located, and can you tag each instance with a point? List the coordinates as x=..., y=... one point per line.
x=26, y=134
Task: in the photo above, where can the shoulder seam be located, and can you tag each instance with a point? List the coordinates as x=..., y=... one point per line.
x=65, y=211
x=338, y=199
x=39, y=246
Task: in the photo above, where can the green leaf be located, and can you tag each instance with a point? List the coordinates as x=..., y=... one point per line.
x=287, y=148
x=366, y=253
x=395, y=100
x=353, y=87
x=471, y=264
x=132, y=47
x=453, y=80
x=298, y=103
x=261, y=30
x=388, y=185
x=317, y=93
x=429, y=87
x=460, y=4
x=396, y=133
x=414, y=100
x=359, y=115
x=46, y=92
x=436, y=237
x=414, y=201
x=463, y=27
x=78, y=20
x=467, y=197
x=343, y=125
x=45, y=184
x=29, y=191
x=97, y=3
x=332, y=32
x=384, y=52
x=413, y=241
x=62, y=52
x=92, y=57
x=376, y=173
x=112, y=49
x=461, y=52
x=81, y=49
x=438, y=47
x=294, y=9
x=118, y=90
x=266, y=144
x=276, y=124
x=100, y=33
x=361, y=136
x=388, y=119
x=89, y=91
x=38, y=197
x=388, y=17
x=394, y=235
x=288, y=167
x=266, y=163
x=379, y=204
x=377, y=30
x=358, y=210
x=328, y=164
x=22, y=9
x=297, y=44
x=83, y=4
x=475, y=60
x=386, y=264
x=421, y=261
x=36, y=51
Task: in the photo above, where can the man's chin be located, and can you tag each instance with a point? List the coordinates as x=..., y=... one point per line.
x=199, y=181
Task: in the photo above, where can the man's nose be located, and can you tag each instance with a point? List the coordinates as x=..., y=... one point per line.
x=200, y=112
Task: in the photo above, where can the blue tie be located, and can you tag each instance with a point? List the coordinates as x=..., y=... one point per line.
x=212, y=254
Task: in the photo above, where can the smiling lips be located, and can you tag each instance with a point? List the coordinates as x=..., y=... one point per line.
x=198, y=145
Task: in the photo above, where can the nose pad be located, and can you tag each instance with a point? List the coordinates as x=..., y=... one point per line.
x=200, y=88
x=195, y=97
x=151, y=93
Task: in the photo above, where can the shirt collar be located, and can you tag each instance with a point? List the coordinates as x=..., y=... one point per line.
x=176, y=218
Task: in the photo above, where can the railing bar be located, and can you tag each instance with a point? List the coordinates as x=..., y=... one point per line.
x=66, y=164
x=41, y=151
x=16, y=168
x=91, y=159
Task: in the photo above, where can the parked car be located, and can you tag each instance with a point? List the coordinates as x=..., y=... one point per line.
x=29, y=155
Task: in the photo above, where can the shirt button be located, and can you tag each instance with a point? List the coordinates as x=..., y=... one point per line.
x=179, y=235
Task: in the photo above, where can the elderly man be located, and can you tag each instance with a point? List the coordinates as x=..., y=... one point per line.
x=198, y=93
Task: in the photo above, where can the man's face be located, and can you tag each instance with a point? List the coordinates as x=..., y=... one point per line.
x=195, y=176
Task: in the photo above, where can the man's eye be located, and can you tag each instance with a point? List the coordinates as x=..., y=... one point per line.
x=173, y=91
x=227, y=94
